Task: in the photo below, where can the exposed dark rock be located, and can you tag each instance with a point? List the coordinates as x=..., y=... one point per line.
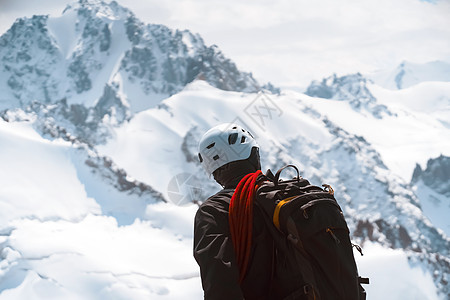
x=436, y=175
x=78, y=72
x=352, y=88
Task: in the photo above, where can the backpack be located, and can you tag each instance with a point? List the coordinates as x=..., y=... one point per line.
x=314, y=254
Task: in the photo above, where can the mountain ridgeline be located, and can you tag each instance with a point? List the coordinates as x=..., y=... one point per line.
x=351, y=88
x=95, y=44
x=436, y=175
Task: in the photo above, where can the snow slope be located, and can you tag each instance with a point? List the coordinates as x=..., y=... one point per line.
x=290, y=129
x=391, y=276
x=39, y=184
x=417, y=129
x=137, y=145
x=56, y=243
x=413, y=128
x=434, y=205
x=87, y=247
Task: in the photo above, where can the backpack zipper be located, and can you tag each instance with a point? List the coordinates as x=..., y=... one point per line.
x=314, y=202
x=333, y=235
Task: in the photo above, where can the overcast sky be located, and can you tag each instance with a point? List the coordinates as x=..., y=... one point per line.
x=291, y=42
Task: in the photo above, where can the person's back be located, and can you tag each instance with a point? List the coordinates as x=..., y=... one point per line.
x=213, y=251
x=228, y=152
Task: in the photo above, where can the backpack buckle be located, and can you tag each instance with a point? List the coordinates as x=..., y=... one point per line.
x=328, y=189
x=307, y=289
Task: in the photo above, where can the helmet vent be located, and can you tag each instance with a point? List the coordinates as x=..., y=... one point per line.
x=216, y=157
x=210, y=146
x=242, y=139
x=200, y=157
x=232, y=138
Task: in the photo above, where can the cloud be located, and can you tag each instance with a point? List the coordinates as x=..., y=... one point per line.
x=42, y=6
x=10, y=10
x=289, y=41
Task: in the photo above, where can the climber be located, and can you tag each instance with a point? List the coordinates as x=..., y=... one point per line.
x=265, y=238
x=228, y=153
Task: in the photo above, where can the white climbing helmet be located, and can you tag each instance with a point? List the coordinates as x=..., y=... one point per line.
x=223, y=144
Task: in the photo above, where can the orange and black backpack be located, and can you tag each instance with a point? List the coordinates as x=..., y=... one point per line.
x=312, y=248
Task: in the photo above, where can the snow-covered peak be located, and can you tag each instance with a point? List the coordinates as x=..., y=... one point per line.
x=99, y=59
x=408, y=74
x=346, y=87
x=352, y=88
x=94, y=44
x=432, y=185
x=436, y=174
x=98, y=8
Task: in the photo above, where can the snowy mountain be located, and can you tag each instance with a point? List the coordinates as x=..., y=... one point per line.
x=352, y=88
x=100, y=116
x=433, y=186
x=408, y=74
x=405, y=126
x=379, y=204
x=97, y=49
x=435, y=175
x=103, y=64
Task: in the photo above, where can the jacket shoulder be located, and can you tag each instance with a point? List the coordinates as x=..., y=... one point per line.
x=220, y=199
x=215, y=208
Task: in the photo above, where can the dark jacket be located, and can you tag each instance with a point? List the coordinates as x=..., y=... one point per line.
x=213, y=251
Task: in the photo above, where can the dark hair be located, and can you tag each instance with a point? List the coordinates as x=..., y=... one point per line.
x=230, y=174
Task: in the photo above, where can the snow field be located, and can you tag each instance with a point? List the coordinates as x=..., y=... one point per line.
x=391, y=277
x=96, y=259
x=38, y=178
x=55, y=244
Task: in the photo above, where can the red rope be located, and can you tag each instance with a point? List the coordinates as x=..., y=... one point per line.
x=241, y=220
